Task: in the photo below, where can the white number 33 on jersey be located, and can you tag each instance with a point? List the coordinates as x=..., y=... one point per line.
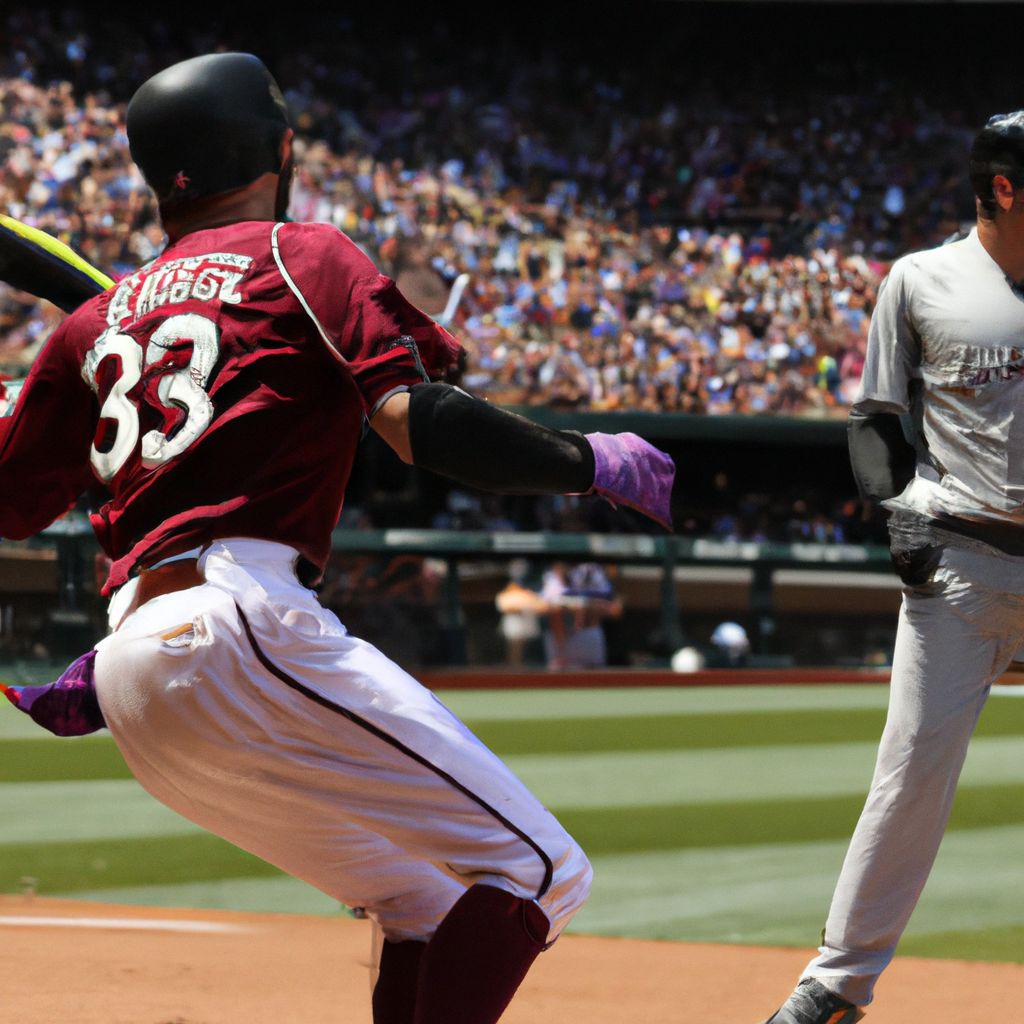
x=183, y=388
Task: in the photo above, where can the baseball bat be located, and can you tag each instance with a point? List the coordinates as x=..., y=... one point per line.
x=35, y=262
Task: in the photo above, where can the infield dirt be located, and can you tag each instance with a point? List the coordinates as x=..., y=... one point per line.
x=123, y=965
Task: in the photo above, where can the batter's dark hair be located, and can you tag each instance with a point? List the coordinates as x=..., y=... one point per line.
x=997, y=149
x=206, y=126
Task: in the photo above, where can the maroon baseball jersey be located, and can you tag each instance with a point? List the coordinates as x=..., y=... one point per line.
x=218, y=392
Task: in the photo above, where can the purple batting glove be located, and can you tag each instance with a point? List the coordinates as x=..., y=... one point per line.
x=67, y=707
x=629, y=471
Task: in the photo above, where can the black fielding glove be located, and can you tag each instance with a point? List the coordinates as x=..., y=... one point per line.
x=918, y=566
x=883, y=460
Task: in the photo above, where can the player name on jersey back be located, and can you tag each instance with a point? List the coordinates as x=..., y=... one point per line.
x=214, y=275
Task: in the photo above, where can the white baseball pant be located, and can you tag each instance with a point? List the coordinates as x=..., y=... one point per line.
x=956, y=636
x=246, y=707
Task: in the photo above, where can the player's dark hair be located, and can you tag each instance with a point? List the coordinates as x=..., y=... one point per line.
x=997, y=149
x=206, y=126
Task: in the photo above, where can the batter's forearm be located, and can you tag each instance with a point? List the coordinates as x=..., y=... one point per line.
x=441, y=428
x=482, y=446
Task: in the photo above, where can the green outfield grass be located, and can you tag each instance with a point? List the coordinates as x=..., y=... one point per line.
x=977, y=944
x=631, y=830
x=152, y=860
x=58, y=760
x=713, y=814
x=707, y=731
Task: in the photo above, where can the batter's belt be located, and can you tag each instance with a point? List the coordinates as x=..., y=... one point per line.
x=165, y=579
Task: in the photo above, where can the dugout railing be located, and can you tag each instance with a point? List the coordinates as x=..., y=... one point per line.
x=665, y=551
x=72, y=537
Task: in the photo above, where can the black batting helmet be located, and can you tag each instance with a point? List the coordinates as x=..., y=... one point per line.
x=207, y=125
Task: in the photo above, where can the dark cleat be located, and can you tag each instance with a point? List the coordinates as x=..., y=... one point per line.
x=812, y=1003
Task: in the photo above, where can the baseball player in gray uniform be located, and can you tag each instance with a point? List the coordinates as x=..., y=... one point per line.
x=936, y=435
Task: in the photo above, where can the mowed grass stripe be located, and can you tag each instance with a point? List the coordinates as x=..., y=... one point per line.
x=41, y=812
x=993, y=944
x=74, y=867
x=622, y=702
x=54, y=759
x=69, y=867
x=61, y=760
x=772, y=895
x=762, y=823
x=50, y=758
x=648, y=778
x=779, y=895
x=709, y=731
x=681, y=732
x=119, y=808
x=278, y=894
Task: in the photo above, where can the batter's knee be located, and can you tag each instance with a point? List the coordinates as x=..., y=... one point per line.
x=570, y=885
x=413, y=915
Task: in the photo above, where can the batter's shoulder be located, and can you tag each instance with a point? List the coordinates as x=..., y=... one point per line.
x=943, y=268
x=323, y=238
x=323, y=248
x=952, y=257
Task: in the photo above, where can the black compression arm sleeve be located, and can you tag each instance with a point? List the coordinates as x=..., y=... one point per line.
x=481, y=446
x=883, y=460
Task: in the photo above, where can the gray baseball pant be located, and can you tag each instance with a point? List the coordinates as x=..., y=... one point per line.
x=956, y=635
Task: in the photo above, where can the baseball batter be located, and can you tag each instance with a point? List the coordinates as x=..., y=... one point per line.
x=945, y=354
x=216, y=397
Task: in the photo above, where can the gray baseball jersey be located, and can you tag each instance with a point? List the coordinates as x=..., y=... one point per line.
x=951, y=318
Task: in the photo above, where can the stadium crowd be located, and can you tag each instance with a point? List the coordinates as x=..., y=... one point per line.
x=566, y=305
x=703, y=257
x=630, y=244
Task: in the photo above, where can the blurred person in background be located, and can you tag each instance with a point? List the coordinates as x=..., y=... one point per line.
x=729, y=646
x=520, y=609
x=577, y=600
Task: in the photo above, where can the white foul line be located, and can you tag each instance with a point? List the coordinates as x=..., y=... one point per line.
x=121, y=923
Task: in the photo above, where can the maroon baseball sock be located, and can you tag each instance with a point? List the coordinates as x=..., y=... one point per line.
x=394, y=995
x=478, y=957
